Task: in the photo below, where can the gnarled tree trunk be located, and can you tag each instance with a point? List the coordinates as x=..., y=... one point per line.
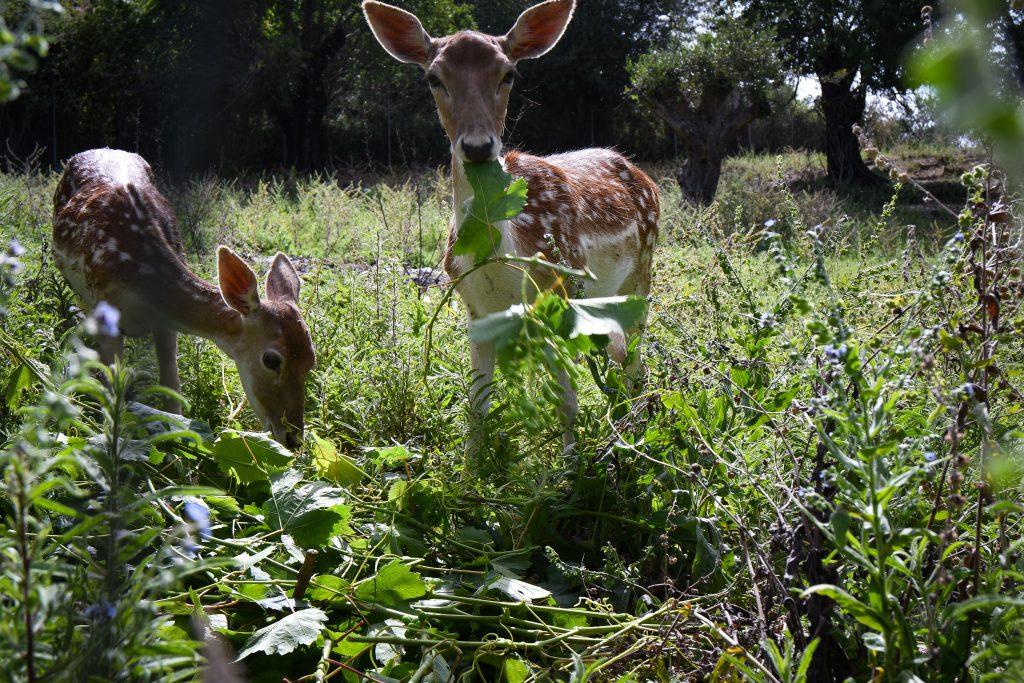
x=843, y=105
x=698, y=176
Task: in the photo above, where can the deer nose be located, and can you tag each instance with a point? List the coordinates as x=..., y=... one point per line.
x=478, y=151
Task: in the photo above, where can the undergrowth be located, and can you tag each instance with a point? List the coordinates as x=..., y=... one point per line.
x=820, y=477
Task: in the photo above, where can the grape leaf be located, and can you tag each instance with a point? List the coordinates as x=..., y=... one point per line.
x=312, y=512
x=393, y=585
x=250, y=456
x=286, y=634
x=330, y=464
x=586, y=320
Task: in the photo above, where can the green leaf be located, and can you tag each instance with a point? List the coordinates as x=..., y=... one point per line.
x=328, y=588
x=587, y=318
x=840, y=521
x=805, y=660
x=20, y=379
x=496, y=197
x=605, y=316
x=334, y=466
x=283, y=636
x=518, y=590
x=959, y=609
x=312, y=512
x=387, y=455
x=250, y=456
x=515, y=670
x=393, y=585
x=866, y=615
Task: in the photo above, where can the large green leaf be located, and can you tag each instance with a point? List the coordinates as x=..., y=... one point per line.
x=605, y=316
x=394, y=584
x=286, y=634
x=496, y=197
x=594, y=319
x=250, y=456
x=330, y=464
x=310, y=511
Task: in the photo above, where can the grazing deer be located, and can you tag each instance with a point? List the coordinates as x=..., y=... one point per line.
x=115, y=239
x=593, y=206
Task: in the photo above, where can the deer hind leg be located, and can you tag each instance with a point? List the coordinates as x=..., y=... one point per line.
x=166, y=343
x=481, y=358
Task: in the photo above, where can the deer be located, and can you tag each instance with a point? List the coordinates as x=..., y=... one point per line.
x=116, y=241
x=591, y=209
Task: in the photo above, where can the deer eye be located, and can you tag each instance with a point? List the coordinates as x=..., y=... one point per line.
x=272, y=360
x=509, y=78
x=434, y=82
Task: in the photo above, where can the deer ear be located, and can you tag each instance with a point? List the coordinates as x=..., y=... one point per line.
x=538, y=29
x=399, y=32
x=237, y=282
x=282, y=280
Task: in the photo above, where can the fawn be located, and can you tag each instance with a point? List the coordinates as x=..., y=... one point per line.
x=115, y=239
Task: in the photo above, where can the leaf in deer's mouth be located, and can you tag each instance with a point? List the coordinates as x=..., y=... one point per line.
x=496, y=197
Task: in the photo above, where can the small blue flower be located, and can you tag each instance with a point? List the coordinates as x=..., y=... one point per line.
x=15, y=249
x=199, y=516
x=100, y=611
x=959, y=237
x=929, y=456
x=107, y=319
x=770, y=223
x=835, y=353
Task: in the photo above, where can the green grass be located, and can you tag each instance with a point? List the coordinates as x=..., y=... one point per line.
x=679, y=504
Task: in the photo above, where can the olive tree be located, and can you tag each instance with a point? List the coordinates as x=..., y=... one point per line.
x=707, y=87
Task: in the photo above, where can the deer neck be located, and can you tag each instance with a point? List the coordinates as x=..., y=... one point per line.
x=193, y=306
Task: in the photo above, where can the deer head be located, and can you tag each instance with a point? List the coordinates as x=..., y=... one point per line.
x=273, y=349
x=470, y=74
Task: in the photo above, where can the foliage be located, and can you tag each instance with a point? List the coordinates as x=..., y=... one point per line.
x=851, y=47
x=798, y=485
x=22, y=44
x=707, y=88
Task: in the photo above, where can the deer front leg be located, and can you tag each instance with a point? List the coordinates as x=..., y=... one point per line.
x=166, y=343
x=481, y=358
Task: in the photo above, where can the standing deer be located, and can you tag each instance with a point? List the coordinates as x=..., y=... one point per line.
x=115, y=239
x=593, y=206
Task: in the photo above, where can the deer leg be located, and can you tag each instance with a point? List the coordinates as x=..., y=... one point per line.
x=166, y=343
x=481, y=357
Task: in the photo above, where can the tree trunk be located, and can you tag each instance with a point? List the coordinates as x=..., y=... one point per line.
x=843, y=106
x=698, y=176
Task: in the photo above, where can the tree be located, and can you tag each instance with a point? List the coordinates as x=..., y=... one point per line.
x=852, y=47
x=707, y=88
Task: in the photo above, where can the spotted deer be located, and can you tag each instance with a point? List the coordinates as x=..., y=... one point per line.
x=589, y=209
x=115, y=239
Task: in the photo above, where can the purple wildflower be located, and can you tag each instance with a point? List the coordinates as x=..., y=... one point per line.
x=106, y=318
x=199, y=516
